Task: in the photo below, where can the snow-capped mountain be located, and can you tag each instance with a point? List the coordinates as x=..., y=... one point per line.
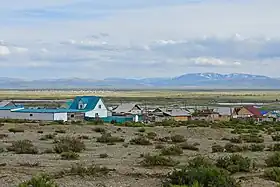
x=191, y=80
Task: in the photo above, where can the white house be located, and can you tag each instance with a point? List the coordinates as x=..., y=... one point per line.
x=81, y=107
x=92, y=106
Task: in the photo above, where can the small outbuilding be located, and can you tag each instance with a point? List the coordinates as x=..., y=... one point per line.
x=161, y=114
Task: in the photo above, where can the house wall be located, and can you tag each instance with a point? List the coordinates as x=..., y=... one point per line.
x=102, y=112
x=32, y=116
x=60, y=117
x=243, y=112
x=181, y=118
x=77, y=116
x=6, y=114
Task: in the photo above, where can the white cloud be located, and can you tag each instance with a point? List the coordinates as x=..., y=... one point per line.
x=4, y=50
x=204, y=61
x=140, y=37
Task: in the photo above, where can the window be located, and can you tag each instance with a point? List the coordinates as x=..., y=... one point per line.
x=99, y=106
x=30, y=115
x=72, y=115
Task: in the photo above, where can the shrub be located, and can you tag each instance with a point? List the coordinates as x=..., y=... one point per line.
x=48, y=136
x=84, y=137
x=272, y=174
x=199, y=161
x=40, y=132
x=231, y=148
x=142, y=129
x=253, y=138
x=188, y=146
x=276, y=147
x=30, y=164
x=159, y=146
x=103, y=155
x=140, y=141
x=234, y=163
x=99, y=130
x=2, y=136
x=276, y=137
x=39, y=181
x=157, y=160
x=108, y=138
x=68, y=144
x=173, y=150
x=178, y=139
x=48, y=151
x=69, y=156
x=205, y=176
x=256, y=147
x=273, y=160
x=61, y=131
x=15, y=130
x=270, y=130
x=236, y=140
x=217, y=148
x=23, y=147
x=133, y=124
x=151, y=135
x=83, y=170
x=164, y=139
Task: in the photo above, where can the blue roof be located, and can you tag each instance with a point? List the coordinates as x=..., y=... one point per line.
x=46, y=110
x=90, y=101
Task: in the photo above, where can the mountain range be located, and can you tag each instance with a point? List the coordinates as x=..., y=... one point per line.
x=186, y=81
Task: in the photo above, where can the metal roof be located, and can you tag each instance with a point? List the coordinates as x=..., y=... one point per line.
x=90, y=101
x=10, y=107
x=45, y=110
x=5, y=103
x=125, y=107
x=175, y=112
x=224, y=110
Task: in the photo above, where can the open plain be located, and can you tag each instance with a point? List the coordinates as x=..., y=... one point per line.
x=122, y=158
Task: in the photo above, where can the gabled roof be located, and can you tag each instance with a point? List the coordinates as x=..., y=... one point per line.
x=126, y=108
x=224, y=110
x=6, y=103
x=90, y=101
x=174, y=112
x=253, y=110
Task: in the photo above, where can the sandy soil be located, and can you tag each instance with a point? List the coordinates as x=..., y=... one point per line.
x=125, y=160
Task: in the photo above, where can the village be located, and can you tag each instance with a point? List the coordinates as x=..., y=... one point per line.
x=94, y=108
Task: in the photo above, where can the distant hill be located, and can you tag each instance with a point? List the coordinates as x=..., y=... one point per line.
x=192, y=80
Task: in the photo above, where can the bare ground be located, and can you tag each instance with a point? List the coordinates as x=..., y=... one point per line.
x=125, y=160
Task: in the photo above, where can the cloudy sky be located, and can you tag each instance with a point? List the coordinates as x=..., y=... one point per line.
x=138, y=38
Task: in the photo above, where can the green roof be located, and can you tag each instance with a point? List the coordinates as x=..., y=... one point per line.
x=90, y=101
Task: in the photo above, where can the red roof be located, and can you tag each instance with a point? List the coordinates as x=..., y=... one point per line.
x=254, y=111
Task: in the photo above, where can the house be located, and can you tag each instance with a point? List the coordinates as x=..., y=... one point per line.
x=160, y=114
x=248, y=112
x=225, y=113
x=272, y=116
x=92, y=106
x=81, y=107
x=128, y=108
x=206, y=115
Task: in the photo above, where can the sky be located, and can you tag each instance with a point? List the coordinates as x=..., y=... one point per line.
x=97, y=39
